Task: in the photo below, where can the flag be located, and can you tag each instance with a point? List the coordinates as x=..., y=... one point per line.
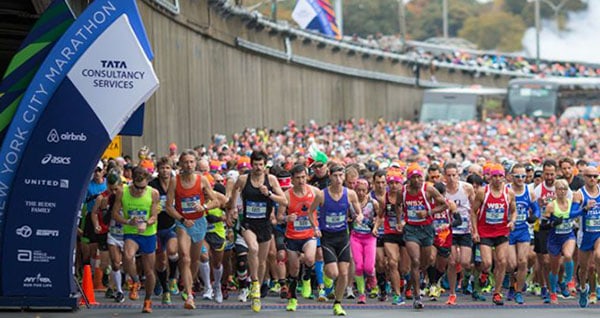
x=317, y=15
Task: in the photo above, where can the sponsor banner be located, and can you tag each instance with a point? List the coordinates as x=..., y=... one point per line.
x=61, y=59
x=45, y=32
x=96, y=97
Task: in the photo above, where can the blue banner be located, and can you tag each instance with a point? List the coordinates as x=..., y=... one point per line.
x=92, y=82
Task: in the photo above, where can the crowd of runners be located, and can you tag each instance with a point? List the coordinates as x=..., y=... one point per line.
x=371, y=211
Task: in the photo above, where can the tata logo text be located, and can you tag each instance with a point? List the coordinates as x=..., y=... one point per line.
x=55, y=160
x=24, y=231
x=54, y=137
x=62, y=183
x=113, y=64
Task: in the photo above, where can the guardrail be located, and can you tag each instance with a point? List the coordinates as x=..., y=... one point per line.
x=254, y=20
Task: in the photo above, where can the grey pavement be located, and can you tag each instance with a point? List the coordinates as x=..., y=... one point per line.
x=275, y=307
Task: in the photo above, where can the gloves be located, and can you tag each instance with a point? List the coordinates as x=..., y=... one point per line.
x=210, y=218
x=457, y=220
x=531, y=219
x=556, y=222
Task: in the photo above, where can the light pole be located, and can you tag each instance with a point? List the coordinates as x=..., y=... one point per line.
x=445, y=19
x=339, y=15
x=537, y=34
x=402, y=22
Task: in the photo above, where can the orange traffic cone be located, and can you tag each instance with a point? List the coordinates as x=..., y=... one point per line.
x=98, y=274
x=88, y=285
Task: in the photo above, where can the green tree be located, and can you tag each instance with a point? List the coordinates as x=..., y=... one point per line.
x=369, y=17
x=494, y=30
x=424, y=17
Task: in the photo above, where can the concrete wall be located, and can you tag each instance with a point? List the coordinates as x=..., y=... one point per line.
x=208, y=85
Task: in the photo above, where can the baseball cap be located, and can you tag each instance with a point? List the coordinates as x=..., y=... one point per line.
x=414, y=170
x=100, y=165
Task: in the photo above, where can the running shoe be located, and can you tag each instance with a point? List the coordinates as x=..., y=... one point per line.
x=173, y=288
x=593, y=298
x=511, y=294
x=553, y=298
x=374, y=292
x=338, y=310
x=264, y=290
x=497, y=299
x=189, y=303
x=350, y=293
x=157, y=289
x=451, y=300
x=519, y=298
x=254, y=290
x=166, y=298
x=564, y=292
x=292, y=304
x=147, y=309
x=306, y=289
x=218, y=294
x=208, y=293
x=256, y=304
x=322, y=295
x=418, y=303
x=362, y=299
x=572, y=288
x=243, y=295
x=119, y=297
x=583, y=296
x=397, y=300
x=383, y=295
x=434, y=293
x=276, y=288
x=110, y=293
x=476, y=296
x=133, y=291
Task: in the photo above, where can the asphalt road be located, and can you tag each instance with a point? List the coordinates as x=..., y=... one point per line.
x=275, y=307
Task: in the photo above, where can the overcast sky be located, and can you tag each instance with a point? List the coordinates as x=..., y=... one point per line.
x=581, y=41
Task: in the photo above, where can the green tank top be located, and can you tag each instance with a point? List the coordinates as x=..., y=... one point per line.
x=219, y=227
x=558, y=213
x=137, y=208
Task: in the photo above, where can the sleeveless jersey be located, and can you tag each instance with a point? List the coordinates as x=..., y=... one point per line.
x=137, y=208
x=257, y=206
x=389, y=216
x=300, y=229
x=524, y=203
x=493, y=214
x=366, y=226
x=566, y=227
x=105, y=216
x=333, y=214
x=443, y=230
x=463, y=207
x=414, y=203
x=591, y=219
x=165, y=221
x=186, y=200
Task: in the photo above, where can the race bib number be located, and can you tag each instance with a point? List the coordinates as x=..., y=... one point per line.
x=592, y=225
x=301, y=223
x=335, y=220
x=464, y=225
x=413, y=213
x=256, y=210
x=494, y=216
x=188, y=205
x=364, y=227
x=522, y=211
x=563, y=228
x=138, y=214
x=163, y=202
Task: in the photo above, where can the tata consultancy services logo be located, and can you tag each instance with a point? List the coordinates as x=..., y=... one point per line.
x=24, y=231
x=54, y=137
x=55, y=160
